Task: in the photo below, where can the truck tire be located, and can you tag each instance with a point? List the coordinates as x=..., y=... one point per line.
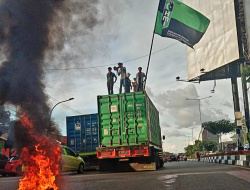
x=161, y=163
x=157, y=161
x=104, y=165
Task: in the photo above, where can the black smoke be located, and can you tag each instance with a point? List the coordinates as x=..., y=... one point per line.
x=26, y=35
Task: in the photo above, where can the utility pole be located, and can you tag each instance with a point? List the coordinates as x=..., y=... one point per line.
x=236, y=109
x=240, y=18
x=199, y=101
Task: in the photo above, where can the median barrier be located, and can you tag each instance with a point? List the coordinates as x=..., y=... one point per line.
x=239, y=158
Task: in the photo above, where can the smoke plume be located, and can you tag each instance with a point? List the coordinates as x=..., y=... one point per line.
x=28, y=30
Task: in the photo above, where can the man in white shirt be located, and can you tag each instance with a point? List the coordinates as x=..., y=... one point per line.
x=121, y=71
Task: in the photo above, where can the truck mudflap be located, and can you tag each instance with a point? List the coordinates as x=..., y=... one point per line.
x=135, y=151
x=143, y=166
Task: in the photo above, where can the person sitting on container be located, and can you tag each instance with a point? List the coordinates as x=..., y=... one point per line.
x=121, y=71
x=134, y=85
x=127, y=83
x=110, y=81
x=140, y=78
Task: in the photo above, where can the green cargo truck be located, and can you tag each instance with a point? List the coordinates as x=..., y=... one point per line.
x=129, y=132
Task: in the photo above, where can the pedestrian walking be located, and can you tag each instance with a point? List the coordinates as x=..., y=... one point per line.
x=110, y=81
x=140, y=79
x=198, y=154
x=134, y=85
x=127, y=83
x=121, y=71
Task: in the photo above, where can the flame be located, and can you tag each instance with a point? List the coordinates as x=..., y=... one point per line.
x=42, y=162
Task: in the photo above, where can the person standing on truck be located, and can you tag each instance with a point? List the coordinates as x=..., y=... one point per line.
x=134, y=85
x=140, y=79
x=121, y=71
x=110, y=81
x=127, y=83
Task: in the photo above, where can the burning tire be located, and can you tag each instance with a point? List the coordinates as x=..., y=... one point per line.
x=80, y=168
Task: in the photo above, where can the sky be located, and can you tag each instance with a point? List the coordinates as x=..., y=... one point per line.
x=101, y=33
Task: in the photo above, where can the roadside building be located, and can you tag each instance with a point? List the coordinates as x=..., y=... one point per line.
x=207, y=136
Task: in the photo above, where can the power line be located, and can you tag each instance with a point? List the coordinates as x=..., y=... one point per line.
x=64, y=106
x=81, y=68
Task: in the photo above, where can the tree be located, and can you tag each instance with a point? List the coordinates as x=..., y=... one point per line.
x=4, y=119
x=167, y=153
x=246, y=78
x=4, y=115
x=219, y=127
x=246, y=73
x=200, y=146
x=191, y=149
x=209, y=145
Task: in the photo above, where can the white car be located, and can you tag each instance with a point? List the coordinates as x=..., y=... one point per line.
x=246, y=146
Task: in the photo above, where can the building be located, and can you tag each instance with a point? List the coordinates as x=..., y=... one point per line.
x=207, y=136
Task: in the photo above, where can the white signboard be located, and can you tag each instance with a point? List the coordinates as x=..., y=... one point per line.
x=219, y=45
x=77, y=126
x=113, y=109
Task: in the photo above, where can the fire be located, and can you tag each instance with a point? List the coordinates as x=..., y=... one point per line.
x=42, y=161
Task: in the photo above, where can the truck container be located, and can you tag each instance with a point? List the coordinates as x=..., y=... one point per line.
x=129, y=131
x=82, y=136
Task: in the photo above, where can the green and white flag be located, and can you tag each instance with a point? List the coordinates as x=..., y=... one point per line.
x=179, y=21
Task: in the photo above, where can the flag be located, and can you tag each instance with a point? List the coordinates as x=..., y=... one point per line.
x=179, y=21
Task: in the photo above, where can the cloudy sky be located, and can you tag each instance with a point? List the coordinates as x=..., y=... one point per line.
x=101, y=33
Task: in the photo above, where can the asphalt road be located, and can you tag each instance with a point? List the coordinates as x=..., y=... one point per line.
x=188, y=175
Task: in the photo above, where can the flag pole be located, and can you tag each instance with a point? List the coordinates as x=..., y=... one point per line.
x=151, y=47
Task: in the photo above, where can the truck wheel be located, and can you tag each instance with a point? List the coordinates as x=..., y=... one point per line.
x=80, y=168
x=157, y=161
x=103, y=165
x=161, y=163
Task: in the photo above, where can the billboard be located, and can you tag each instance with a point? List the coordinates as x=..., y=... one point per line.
x=219, y=45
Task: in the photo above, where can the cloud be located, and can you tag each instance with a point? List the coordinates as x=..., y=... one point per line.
x=226, y=104
x=172, y=134
x=150, y=92
x=165, y=125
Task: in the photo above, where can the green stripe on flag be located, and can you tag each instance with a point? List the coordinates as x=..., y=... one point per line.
x=158, y=26
x=190, y=17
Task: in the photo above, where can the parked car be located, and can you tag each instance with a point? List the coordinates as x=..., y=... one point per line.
x=14, y=166
x=71, y=161
x=3, y=161
x=173, y=158
x=167, y=159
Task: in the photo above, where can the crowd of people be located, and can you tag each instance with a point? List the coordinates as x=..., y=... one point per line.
x=125, y=83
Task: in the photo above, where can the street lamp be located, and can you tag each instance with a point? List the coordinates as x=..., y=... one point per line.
x=188, y=138
x=198, y=99
x=59, y=103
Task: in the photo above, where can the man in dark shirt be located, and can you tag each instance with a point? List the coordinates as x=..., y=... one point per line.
x=140, y=79
x=110, y=81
